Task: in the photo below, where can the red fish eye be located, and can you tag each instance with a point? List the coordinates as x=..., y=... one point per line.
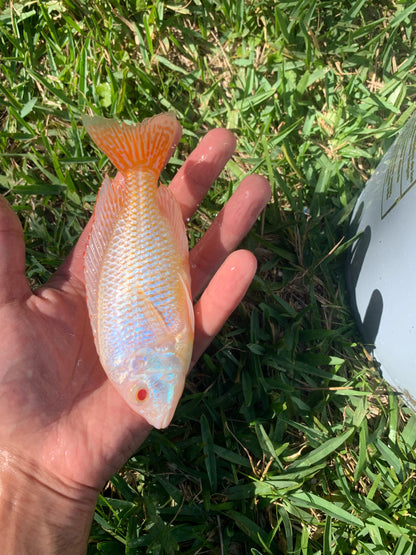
x=141, y=394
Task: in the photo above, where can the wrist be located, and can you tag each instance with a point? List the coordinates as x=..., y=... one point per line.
x=39, y=513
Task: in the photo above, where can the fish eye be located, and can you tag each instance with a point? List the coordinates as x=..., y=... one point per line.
x=142, y=394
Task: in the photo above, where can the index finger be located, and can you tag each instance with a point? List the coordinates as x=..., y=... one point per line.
x=201, y=169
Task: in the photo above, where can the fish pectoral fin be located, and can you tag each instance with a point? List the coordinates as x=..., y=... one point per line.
x=109, y=202
x=169, y=208
x=156, y=322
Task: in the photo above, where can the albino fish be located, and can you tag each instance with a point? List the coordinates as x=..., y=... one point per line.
x=137, y=271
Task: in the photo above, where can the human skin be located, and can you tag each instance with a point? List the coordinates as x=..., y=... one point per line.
x=64, y=430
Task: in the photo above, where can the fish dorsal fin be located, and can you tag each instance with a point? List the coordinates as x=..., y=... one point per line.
x=107, y=208
x=147, y=144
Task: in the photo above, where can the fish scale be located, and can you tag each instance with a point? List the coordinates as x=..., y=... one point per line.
x=118, y=270
x=137, y=270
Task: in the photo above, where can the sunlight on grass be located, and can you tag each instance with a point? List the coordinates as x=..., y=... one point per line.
x=286, y=439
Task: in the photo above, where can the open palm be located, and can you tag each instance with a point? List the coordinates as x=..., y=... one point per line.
x=58, y=411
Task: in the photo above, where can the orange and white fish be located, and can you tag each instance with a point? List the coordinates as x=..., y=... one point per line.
x=137, y=271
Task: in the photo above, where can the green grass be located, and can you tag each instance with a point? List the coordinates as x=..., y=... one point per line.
x=286, y=439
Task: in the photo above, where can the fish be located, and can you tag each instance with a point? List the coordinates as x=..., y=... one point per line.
x=136, y=268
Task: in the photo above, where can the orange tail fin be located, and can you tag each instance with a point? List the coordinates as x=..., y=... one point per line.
x=147, y=144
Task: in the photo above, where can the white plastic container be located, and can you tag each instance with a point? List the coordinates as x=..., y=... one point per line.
x=381, y=271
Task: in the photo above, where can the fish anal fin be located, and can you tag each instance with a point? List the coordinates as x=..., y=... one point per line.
x=169, y=208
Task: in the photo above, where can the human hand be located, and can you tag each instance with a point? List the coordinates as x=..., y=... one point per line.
x=63, y=427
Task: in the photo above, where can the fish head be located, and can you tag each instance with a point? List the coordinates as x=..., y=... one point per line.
x=156, y=381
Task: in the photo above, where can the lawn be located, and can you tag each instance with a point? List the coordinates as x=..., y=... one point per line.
x=286, y=440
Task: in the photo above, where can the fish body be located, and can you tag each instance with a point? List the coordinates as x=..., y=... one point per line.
x=137, y=270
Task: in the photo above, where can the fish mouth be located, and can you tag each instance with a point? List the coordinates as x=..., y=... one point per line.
x=155, y=396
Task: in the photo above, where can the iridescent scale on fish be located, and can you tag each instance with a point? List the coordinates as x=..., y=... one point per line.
x=137, y=270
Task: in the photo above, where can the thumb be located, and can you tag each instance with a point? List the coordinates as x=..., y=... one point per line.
x=13, y=283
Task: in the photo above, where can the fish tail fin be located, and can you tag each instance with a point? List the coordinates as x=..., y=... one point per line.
x=147, y=144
